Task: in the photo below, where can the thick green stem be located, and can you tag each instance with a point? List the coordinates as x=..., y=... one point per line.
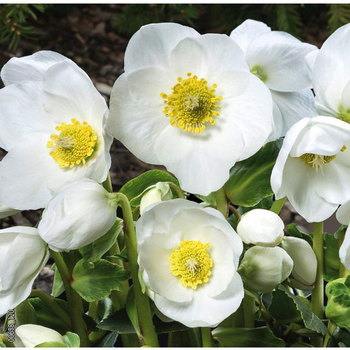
x=53, y=305
x=207, y=340
x=331, y=328
x=194, y=338
x=221, y=202
x=235, y=212
x=93, y=309
x=176, y=189
x=75, y=304
x=318, y=292
x=249, y=311
x=107, y=184
x=278, y=205
x=148, y=334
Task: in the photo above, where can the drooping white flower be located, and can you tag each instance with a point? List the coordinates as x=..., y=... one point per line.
x=188, y=257
x=331, y=76
x=31, y=335
x=264, y=268
x=80, y=213
x=23, y=254
x=313, y=167
x=189, y=102
x=305, y=262
x=343, y=216
x=159, y=192
x=52, y=123
x=261, y=227
x=278, y=59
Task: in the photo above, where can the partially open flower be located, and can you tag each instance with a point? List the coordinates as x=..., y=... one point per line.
x=189, y=102
x=159, y=192
x=264, y=268
x=23, y=254
x=261, y=227
x=188, y=257
x=80, y=213
x=305, y=262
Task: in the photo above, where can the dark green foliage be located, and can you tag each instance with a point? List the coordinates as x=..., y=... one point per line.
x=13, y=22
x=339, y=14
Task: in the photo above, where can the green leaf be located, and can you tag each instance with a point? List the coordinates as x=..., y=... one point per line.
x=339, y=231
x=167, y=327
x=118, y=322
x=131, y=310
x=293, y=231
x=25, y=313
x=136, y=186
x=58, y=286
x=339, y=338
x=95, y=281
x=310, y=320
x=108, y=341
x=210, y=199
x=104, y=309
x=72, y=340
x=246, y=337
x=301, y=345
x=94, y=251
x=52, y=344
x=249, y=181
x=331, y=257
x=283, y=309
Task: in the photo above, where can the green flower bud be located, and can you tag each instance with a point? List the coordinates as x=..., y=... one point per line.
x=264, y=268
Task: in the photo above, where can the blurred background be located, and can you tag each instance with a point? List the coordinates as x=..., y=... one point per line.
x=95, y=37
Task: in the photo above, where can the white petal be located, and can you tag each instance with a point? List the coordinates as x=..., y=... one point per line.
x=282, y=58
x=344, y=251
x=278, y=124
x=310, y=59
x=6, y=211
x=32, y=335
x=248, y=31
x=294, y=106
x=152, y=45
x=346, y=96
x=204, y=311
x=29, y=68
x=21, y=113
x=343, y=213
x=331, y=70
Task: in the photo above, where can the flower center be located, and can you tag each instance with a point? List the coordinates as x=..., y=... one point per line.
x=259, y=72
x=191, y=104
x=318, y=161
x=191, y=263
x=75, y=143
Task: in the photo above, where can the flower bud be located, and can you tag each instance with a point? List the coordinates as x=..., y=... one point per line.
x=305, y=262
x=81, y=212
x=264, y=268
x=31, y=335
x=261, y=227
x=157, y=193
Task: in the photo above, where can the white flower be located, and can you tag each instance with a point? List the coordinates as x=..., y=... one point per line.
x=305, y=262
x=31, y=335
x=278, y=59
x=188, y=101
x=80, y=213
x=313, y=167
x=159, y=192
x=261, y=227
x=52, y=123
x=23, y=254
x=188, y=257
x=331, y=75
x=343, y=216
x=264, y=268
x=6, y=211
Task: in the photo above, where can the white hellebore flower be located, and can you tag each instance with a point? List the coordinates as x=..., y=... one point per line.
x=80, y=213
x=188, y=257
x=157, y=193
x=261, y=227
x=278, y=59
x=264, y=268
x=305, y=262
x=52, y=123
x=23, y=254
x=31, y=335
x=331, y=75
x=313, y=167
x=189, y=102
x=343, y=216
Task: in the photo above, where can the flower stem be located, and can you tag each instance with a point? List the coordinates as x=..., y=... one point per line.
x=148, y=335
x=207, y=340
x=53, y=305
x=107, y=184
x=317, y=293
x=278, y=205
x=249, y=311
x=176, y=189
x=75, y=304
x=221, y=202
x=235, y=212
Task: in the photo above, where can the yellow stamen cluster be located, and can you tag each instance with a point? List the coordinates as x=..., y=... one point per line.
x=75, y=143
x=317, y=161
x=191, y=263
x=191, y=104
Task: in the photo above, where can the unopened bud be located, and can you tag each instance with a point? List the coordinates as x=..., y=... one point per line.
x=157, y=193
